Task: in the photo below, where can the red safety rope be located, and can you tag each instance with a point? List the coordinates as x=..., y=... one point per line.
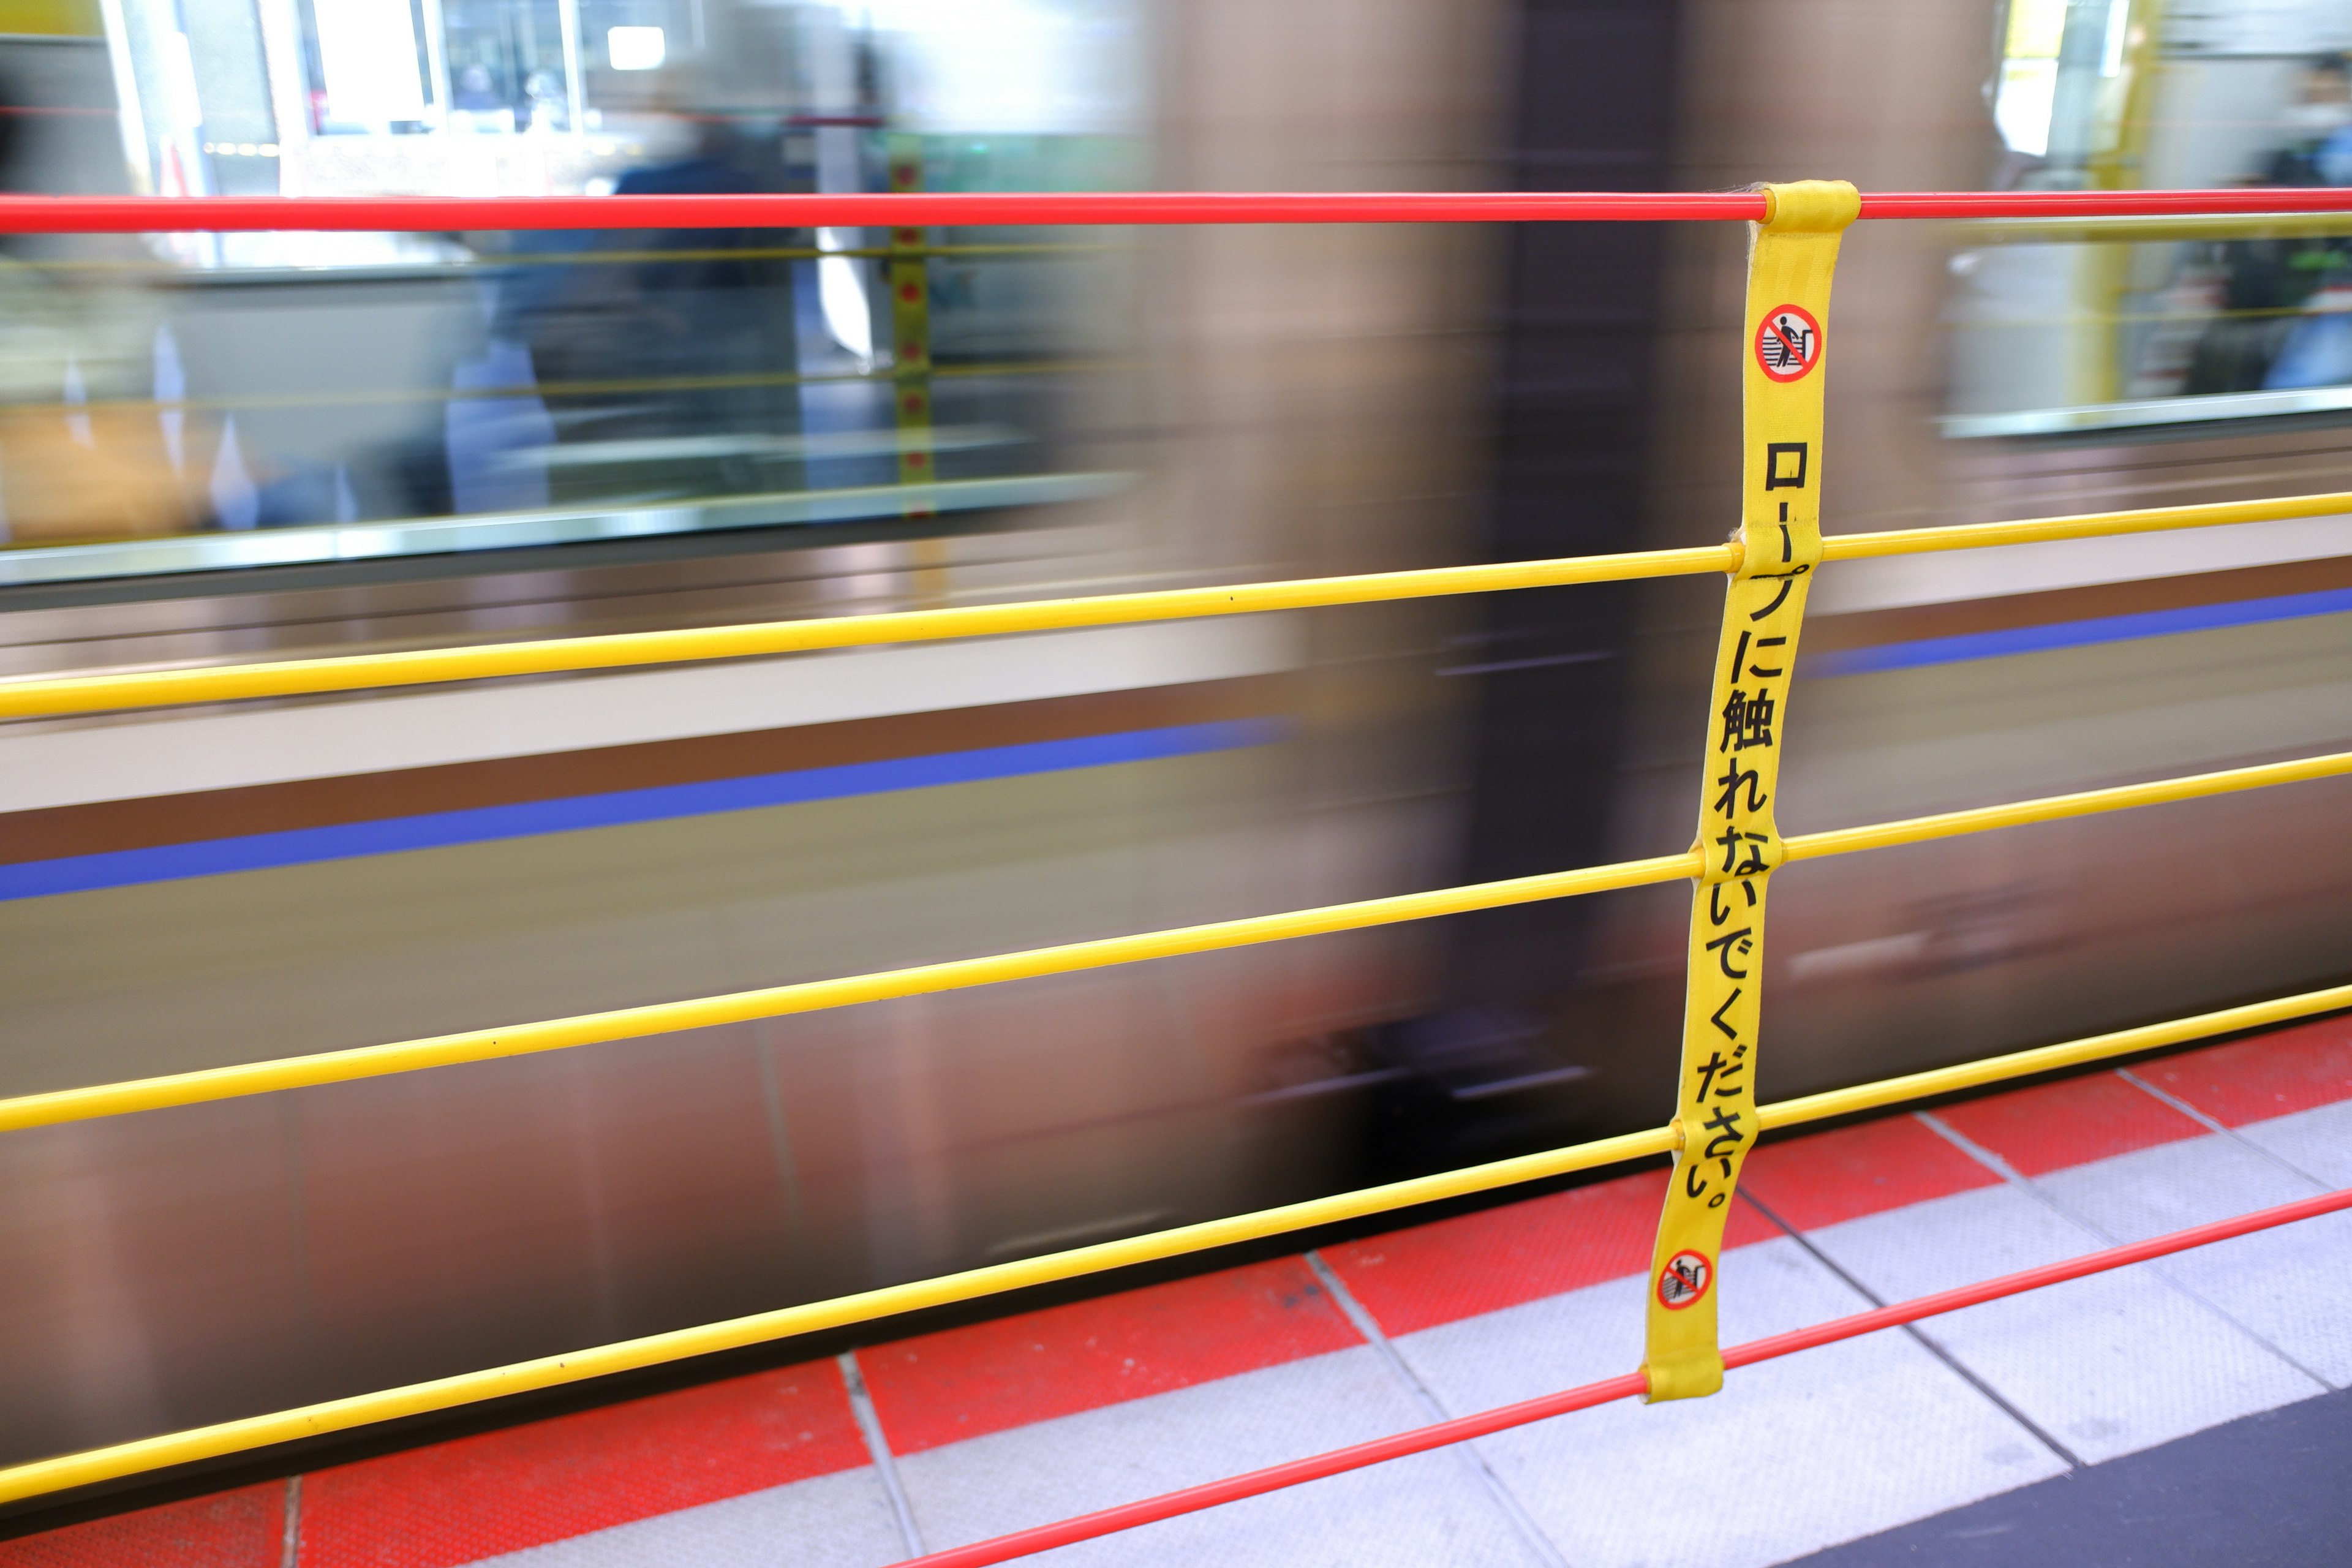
x=2253, y=199
x=138, y=215
x=1191, y=1499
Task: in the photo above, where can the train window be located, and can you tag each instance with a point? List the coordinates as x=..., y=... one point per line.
x=196, y=403
x=2108, y=325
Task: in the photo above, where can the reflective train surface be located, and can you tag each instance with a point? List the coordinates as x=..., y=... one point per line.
x=278, y=447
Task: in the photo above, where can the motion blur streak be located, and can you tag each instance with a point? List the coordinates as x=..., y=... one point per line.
x=181, y=1448
x=560, y=1034
x=99, y=694
x=244, y=450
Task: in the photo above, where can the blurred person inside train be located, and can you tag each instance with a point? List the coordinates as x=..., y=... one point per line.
x=2319, y=153
x=476, y=103
x=663, y=355
x=83, y=453
x=2281, y=327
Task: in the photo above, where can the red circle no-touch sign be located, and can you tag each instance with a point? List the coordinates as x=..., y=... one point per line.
x=1787, y=342
x=1683, y=1279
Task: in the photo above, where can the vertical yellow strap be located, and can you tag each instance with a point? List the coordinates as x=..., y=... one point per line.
x=910, y=321
x=1782, y=347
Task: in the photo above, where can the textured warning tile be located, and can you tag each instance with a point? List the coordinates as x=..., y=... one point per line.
x=2283, y=1286
x=2070, y=1122
x=2271, y=1075
x=1823, y=1178
x=2154, y=1192
x=502, y=1491
x=1830, y=1444
x=954, y=1385
x=2264, y=1492
x=2108, y=1365
x=1459, y=1267
x=2317, y=1142
x=244, y=1529
x=1424, y=1512
x=841, y=1520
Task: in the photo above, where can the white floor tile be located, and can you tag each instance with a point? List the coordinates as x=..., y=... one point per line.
x=831, y=1521
x=2173, y=1186
x=2317, y=1142
x=1424, y=1511
x=2108, y=1365
x=1585, y=1335
x=2285, y=1286
x=1792, y=1456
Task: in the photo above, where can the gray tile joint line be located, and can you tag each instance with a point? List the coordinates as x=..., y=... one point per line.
x=293, y=1548
x=2231, y=1134
x=877, y=1449
x=1530, y=1532
x=2034, y=1190
x=1925, y=1339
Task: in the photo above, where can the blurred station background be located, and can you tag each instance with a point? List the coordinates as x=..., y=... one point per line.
x=230, y=448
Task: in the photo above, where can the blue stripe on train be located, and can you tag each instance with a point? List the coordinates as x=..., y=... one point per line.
x=479, y=824
x=2076, y=634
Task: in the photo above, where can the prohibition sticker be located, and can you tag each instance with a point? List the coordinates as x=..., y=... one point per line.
x=1683, y=1279
x=1787, y=342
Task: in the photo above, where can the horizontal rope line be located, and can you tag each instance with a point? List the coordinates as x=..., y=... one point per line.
x=1442, y=1434
x=815, y=995
x=2133, y=229
x=502, y=260
x=226, y=214
x=749, y=381
x=2099, y=203
x=66, y=1471
x=819, y=996
x=2049, y=1058
x=341, y=1415
x=2086, y=525
x=228, y=683
x=2057, y=807
x=100, y=693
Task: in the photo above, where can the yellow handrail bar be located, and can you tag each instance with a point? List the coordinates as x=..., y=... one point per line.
x=955, y=974
x=360, y=672
x=2057, y=807
x=50, y=696
x=813, y=996
x=44, y=1476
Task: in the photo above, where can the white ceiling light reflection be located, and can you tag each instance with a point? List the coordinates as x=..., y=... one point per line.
x=635, y=49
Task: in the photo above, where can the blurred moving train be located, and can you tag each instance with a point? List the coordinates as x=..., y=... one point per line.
x=302, y=447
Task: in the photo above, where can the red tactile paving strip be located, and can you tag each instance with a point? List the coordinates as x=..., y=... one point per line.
x=965, y=1382
x=2271, y=1075
x=2071, y=1122
x=477, y=1497
x=1822, y=1178
x=243, y=1529
x=1477, y=1263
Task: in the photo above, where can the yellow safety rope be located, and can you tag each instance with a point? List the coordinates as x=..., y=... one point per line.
x=1790, y=259
x=815, y=995
x=44, y=695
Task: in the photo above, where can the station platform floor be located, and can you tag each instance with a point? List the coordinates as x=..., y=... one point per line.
x=2190, y=1410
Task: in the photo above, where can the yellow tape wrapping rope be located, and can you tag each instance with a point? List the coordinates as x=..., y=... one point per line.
x=1790, y=259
